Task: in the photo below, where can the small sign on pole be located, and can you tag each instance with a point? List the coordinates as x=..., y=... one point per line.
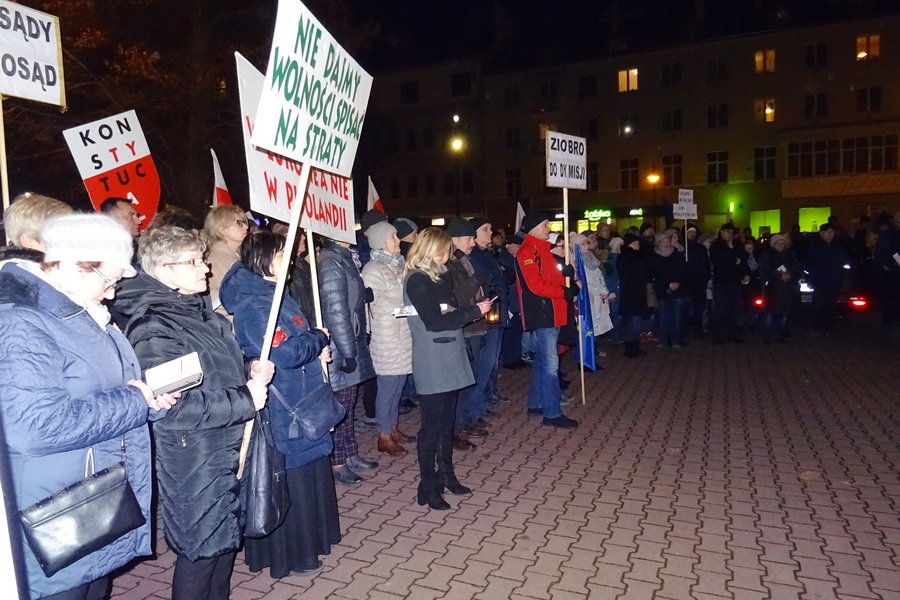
x=685, y=209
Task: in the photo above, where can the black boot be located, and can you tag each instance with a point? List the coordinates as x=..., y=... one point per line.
x=446, y=478
x=429, y=491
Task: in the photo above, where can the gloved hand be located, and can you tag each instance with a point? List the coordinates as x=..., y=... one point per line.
x=349, y=365
x=571, y=292
x=370, y=295
x=568, y=271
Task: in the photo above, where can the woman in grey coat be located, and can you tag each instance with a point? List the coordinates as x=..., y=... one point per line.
x=440, y=364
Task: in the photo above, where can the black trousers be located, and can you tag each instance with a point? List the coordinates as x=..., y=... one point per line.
x=726, y=307
x=204, y=578
x=438, y=414
x=95, y=590
x=369, y=393
x=825, y=309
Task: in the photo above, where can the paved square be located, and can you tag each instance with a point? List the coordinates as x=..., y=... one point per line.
x=722, y=471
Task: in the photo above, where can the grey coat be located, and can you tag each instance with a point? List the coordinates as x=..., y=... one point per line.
x=439, y=359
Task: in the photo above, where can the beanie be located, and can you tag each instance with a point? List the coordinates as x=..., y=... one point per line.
x=477, y=222
x=629, y=239
x=533, y=219
x=460, y=228
x=379, y=233
x=369, y=218
x=405, y=227
x=88, y=238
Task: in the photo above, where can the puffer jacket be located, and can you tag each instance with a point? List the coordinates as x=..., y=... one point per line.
x=63, y=392
x=295, y=349
x=391, y=344
x=197, y=443
x=343, y=296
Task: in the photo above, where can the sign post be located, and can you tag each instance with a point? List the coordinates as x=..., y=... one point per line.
x=311, y=107
x=567, y=167
x=685, y=209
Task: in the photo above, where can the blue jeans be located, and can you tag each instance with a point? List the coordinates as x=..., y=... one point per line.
x=671, y=312
x=387, y=402
x=545, y=373
x=484, y=371
x=528, y=342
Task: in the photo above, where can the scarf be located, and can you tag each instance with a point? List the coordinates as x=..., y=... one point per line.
x=394, y=261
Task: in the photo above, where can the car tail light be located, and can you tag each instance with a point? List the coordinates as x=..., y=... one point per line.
x=759, y=302
x=859, y=303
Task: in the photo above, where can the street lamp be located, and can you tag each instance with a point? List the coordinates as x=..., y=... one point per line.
x=653, y=179
x=457, y=147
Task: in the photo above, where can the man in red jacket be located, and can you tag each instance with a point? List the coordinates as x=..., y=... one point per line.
x=543, y=295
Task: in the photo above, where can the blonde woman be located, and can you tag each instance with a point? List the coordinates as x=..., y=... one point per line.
x=440, y=365
x=225, y=227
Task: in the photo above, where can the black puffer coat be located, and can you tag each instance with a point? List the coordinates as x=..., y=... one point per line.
x=343, y=296
x=634, y=275
x=198, y=441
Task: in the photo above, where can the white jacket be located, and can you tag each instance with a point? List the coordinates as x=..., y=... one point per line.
x=391, y=343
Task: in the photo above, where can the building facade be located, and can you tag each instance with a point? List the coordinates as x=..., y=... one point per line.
x=779, y=128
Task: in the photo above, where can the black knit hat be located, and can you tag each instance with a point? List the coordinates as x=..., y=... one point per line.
x=459, y=227
x=477, y=222
x=370, y=217
x=533, y=219
x=629, y=239
x=405, y=227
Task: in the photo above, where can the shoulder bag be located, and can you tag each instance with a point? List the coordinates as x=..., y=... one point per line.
x=264, y=489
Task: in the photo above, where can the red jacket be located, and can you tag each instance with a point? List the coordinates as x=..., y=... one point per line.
x=538, y=280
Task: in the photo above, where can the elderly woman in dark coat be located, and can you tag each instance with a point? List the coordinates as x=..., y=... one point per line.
x=634, y=275
x=780, y=273
x=197, y=443
x=311, y=526
x=343, y=296
x=440, y=363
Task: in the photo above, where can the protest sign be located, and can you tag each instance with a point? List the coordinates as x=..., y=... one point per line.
x=275, y=180
x=685, y=208
x=566, y=161
x=30, y=55
x=114, y=160
x=315, y=95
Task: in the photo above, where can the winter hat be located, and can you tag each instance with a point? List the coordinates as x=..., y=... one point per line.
x=405, y=227
x=629, y=239
x=728, y=226
x=370, y=217
x=778, y=237
x=662, y=235
x=88, y=238
x=704, y=237
x=575, y=239
x=645, y=226
x=460, y=228
x=615, y=244
x=379, y=233
x=533, y=219
x=477, y=222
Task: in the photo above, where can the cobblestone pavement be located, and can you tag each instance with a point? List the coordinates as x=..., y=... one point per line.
x=735, y=471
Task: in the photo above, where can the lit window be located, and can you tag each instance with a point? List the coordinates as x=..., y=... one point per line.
x=868, y=47
x=628, y=80
x=765, y=110
x=765, y=61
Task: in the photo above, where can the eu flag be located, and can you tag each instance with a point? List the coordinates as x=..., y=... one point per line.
x=585, y=318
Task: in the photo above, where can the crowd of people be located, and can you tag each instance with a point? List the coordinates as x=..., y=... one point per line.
x=410, y=319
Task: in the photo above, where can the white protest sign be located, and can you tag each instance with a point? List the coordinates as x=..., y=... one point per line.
x=315, y=94
x=566, y=161
x=274, y=180
x=114, y=160
x=685, y=196
x=685, y=208
x=30, y=55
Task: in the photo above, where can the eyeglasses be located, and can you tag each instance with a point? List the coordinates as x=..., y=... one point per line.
x=241, y=223
x=109, y=283
x=194, y=262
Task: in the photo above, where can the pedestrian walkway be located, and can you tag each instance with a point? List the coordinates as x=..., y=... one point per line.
x=736, y=471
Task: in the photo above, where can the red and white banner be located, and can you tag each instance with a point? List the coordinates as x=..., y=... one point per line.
x=114, y=160
x=374, y=200
x=274, y=179
x=221, y=197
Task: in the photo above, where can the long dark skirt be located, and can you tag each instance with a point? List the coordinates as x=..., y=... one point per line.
x=310, y=527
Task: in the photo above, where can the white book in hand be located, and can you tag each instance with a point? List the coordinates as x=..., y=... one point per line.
x=175, y=375
x=404, y=311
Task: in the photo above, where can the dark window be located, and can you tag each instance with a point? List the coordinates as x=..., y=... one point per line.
x=395, y=187
x=430, y=187
x=460, y=84
x=449, y=186
x=764, y=163
x=717, y=115
x=513, y=183
x=628, y=125
x=848, y=155
x=671, y=74
x=409, y=92
x=590, y=129
x=717, y=167
x=815, y=106
x=868, y=99
x=511, y=137
x=412, y=187
x=428, y=138
x=628, y=174
x=672, y=170
x=816, y=55
x=716, y=68
x=511, y=96
x=467, y=186
x=548, y=89
x=411, y=139
x=593, y=177
x=587, y=86
x=672, y=120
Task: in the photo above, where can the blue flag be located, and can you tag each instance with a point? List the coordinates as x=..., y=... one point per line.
x=585, y=318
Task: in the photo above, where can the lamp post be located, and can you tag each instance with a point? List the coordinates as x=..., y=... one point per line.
x=653, y=179
x=457, y=147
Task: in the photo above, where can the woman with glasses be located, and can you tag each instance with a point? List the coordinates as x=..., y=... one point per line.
x=225, y=227
x=71, y=389
x=197, y=443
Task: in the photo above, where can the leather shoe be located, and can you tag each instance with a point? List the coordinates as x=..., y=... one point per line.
x=358, y=462
x=473, y=431
x=388, y=445
x=462, y=443
x=346, y=476
x=400, y=437
x=562, y=422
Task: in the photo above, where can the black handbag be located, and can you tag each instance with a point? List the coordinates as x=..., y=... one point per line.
x=264, y=489
x=82, y=518
x=314, y=415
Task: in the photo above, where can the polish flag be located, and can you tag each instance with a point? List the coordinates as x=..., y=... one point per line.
x=221, y=197
x=374, y=200
x=520, y=216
